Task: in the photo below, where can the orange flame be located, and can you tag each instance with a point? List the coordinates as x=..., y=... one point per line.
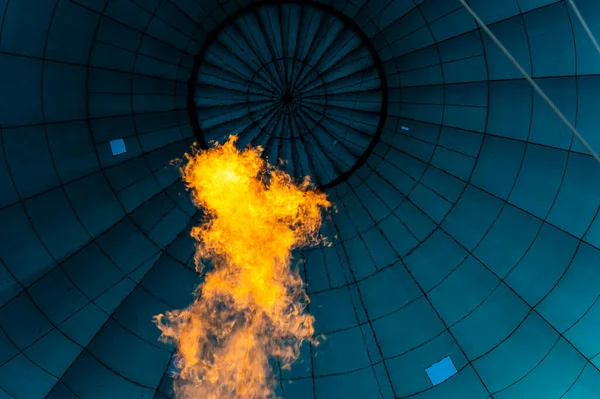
x=251, y=307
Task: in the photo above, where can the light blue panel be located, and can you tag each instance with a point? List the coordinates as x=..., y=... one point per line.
x=465, y=384
x=117, y=146
x=441, y=371
x=409, y=372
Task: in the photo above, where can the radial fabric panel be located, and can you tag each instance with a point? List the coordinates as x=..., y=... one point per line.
x=300, y=81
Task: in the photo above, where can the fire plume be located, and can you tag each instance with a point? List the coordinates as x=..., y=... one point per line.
x=250, y=310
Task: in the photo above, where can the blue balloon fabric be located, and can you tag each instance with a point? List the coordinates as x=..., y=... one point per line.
x=466, y=244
